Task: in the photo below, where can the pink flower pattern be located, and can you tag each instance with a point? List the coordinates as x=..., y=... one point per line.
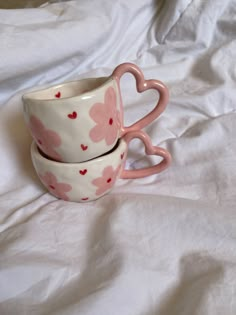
x=57, y=189
x=46, y=139
x=107, y=180
x=106, y=117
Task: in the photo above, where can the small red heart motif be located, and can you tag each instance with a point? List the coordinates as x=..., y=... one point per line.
x=84, y=198
x=58, y=95
x=84, y=147
x=122, y=155
x=83, y=172
x=73, y=115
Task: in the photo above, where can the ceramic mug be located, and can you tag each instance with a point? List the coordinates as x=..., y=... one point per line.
x=92, y=179
x=81, y=120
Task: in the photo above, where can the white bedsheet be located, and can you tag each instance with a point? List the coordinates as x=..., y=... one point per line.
x=161, y=245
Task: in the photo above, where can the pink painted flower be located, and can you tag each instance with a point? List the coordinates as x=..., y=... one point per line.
x=57, y=189
x=107, y=119
x=46, y=139
x=107, y=180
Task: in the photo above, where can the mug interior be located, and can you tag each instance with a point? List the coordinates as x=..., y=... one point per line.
x=50, y=160
x=67, y=90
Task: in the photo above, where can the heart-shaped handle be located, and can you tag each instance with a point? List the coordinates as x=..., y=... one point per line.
x=150, y=150
x=142, y=85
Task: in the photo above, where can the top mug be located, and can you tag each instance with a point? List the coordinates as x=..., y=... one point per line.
x=80, y=120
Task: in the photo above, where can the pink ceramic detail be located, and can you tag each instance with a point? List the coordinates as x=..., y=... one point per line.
x=107, y=180
x=57, y=189
x=46, y=139
x=150, y=150
x=106, y=117
x=142, y=85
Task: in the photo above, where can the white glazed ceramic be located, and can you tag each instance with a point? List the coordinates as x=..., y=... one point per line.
x=90, y=180
x=81, y=120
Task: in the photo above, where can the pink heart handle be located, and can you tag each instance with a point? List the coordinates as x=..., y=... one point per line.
x=142, y=85
x=150, y=150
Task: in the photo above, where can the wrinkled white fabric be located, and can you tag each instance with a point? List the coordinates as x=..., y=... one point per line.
x=162, y=245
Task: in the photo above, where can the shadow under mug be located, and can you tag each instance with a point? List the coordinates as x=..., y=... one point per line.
x=80, y=120
x=86, y=181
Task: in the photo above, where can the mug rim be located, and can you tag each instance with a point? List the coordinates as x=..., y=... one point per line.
x=26, y=96
x=36, y=153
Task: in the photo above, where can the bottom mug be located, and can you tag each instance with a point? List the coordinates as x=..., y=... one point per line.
x=90, y=180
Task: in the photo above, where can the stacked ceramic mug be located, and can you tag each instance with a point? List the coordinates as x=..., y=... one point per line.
x=80, y=143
